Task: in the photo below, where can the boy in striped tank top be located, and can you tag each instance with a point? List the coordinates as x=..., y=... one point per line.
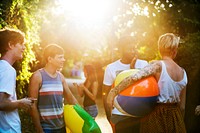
x=48, y=85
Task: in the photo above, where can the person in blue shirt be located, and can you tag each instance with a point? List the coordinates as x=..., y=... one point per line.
x=11, y=49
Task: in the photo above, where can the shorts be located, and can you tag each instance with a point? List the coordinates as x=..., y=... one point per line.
x=92, y=110
x=62, y=130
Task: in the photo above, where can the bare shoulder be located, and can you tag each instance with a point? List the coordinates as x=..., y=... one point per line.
x=62, y=77
x=156, y=63
x=36, y=76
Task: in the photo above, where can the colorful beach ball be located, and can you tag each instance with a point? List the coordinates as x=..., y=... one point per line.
x=138, y=99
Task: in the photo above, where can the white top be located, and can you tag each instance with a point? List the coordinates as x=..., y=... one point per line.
x=9, y=121
x=169, y=89
x=113, y=69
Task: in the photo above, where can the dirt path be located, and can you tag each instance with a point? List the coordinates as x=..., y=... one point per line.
x=101, y=118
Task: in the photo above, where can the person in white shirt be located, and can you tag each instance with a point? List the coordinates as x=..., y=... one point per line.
x=120, y=122
x=172, y=80
x=11, y=49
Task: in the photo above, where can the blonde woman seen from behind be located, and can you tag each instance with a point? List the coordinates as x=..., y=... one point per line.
x=172, y=80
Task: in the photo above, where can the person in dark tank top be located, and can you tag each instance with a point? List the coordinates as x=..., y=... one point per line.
x=89, y=90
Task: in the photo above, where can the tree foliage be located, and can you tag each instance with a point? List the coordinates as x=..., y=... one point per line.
x=21, y=14
x=144, y=19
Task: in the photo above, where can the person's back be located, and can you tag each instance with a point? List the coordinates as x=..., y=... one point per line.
x=171, y=81
x=174, y=70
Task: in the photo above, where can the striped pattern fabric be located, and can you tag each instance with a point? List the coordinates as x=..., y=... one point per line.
x=50, y=102
x=166, y=118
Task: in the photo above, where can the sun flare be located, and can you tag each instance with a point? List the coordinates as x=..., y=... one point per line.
x=85, y=10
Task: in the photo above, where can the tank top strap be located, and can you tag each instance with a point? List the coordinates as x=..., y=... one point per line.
x=45, y=75
x=164, y=69
x=42, y=72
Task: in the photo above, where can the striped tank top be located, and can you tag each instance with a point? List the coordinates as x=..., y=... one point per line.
x=50, y=102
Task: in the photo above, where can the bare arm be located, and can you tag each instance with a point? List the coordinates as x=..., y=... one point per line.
x=151, y=69
x=80, y=89
x=68, y=96
x=94, y=89
x=34, y=86
x=105, y=91
x=8, y=105
x=182, y=101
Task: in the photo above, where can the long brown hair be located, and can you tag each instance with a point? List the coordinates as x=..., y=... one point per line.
x=91, y=74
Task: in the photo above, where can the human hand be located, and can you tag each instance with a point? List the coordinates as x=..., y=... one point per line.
x=81, y=85
x=25, y=103
x=76, y=85
x=197, y=110
x=132, y=64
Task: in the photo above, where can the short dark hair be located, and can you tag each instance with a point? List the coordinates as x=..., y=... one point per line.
x=52, y=50
x=126, y=40
x=8, y=35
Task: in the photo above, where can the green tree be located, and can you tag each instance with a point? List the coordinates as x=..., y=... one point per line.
x=178, y=16
x=145, y=19
x=21, y=14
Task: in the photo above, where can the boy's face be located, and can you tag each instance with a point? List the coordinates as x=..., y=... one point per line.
x=129, y=51
x=18, y=50
x=57, y=61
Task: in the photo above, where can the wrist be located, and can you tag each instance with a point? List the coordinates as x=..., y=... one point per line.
x=19, y=103
x=84, y=88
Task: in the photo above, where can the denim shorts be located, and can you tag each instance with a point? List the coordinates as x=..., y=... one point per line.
x=92, y=110
x=62, y=130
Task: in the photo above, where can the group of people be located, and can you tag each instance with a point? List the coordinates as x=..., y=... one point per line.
x=48, y=90
x=168, y=114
